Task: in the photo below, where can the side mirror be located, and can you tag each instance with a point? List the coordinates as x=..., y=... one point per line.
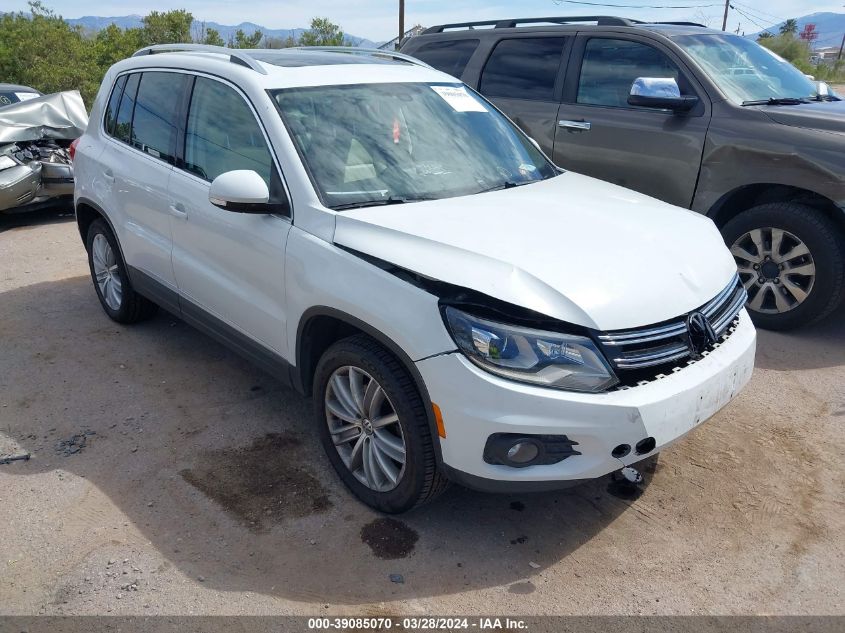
x=823, y=89
x=659, y=92
x=241, y=191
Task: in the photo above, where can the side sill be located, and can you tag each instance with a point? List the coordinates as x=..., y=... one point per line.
x=154, y=290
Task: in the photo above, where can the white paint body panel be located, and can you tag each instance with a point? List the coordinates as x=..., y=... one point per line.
x=571, y=247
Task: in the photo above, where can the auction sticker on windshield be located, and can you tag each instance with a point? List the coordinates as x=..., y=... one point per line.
x=459, y=99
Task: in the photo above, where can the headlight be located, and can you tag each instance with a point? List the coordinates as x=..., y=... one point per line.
x=550, y=359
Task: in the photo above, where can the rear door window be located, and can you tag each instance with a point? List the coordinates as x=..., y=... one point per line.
x=524, y=68
x=448, y=56
x=154, y=125
x=111, y=108
x=123, y=123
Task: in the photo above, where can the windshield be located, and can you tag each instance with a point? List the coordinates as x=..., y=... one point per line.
x=746, y=71
x=368, y=144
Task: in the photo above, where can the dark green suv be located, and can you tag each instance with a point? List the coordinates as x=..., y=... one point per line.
x=699, y=118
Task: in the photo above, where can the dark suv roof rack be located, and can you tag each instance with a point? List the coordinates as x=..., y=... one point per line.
x=601, y=20
x=704, y=26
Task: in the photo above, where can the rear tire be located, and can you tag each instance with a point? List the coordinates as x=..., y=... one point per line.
x=770, y=240
x=414, y=482
x=108, y=272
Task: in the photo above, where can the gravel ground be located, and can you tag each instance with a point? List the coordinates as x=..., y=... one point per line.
x=170, y=477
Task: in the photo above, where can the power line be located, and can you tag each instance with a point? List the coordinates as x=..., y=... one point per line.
x=752, y=20
x=759, y=13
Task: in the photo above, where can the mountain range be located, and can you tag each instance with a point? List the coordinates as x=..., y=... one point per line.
x=95, y=23
x=829, y=26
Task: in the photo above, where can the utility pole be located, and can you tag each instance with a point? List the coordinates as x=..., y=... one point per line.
x=725, y=19
x=841, y=46
x=401, y=23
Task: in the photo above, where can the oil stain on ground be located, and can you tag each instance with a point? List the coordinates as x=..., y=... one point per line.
x=259, y=484
x=389, y=538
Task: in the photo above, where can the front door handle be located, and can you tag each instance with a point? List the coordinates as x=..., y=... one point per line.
x=575, y=125
x=108, y=175
x=178, y=209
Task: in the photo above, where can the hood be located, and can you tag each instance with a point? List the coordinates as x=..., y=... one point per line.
x=818, y=115
x=571, y=247
x=57, y=116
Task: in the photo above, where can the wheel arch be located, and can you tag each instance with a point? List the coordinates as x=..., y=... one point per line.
x=745, y=197
x=321, y=326
x=87, y=212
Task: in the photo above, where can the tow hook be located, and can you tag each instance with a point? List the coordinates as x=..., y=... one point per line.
x=631, y=475
x=625, y=483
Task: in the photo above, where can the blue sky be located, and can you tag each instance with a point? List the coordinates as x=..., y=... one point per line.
x=376, y=19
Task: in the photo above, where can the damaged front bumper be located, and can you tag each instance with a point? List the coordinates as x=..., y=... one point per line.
x=35, y=167
x=581, y=433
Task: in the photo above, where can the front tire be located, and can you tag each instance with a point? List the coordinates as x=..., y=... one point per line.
x=373, y=426
x=791, y=260
x=108, y=272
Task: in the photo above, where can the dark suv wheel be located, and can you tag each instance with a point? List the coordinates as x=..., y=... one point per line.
x=374, y=427
x=108, y=271
x=791, y=260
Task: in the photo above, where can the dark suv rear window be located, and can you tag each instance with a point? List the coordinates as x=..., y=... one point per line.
x=450, y=56
x=523, y=68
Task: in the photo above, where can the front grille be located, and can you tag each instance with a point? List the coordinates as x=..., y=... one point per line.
x=642, y=353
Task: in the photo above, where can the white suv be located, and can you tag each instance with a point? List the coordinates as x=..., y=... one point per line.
x=379, y=236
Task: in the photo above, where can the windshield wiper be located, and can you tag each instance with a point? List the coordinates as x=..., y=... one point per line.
x=826, y=98
x=505, y=185
x=380, y=202
x=776, y=101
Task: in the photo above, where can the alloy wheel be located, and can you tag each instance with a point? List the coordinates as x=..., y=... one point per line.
x=365, y=429
x=106, y=271
x=776, y=268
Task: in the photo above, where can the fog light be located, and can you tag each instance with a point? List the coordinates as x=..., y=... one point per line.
x=523, y=452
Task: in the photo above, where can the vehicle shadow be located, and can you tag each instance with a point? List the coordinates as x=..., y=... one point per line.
x=220, y=469
x=821, y=345
x=53, y=214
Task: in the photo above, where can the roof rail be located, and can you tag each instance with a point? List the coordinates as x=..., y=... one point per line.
x=371, y=52
x=235, y=56
x=602, y=20
x=704, y=26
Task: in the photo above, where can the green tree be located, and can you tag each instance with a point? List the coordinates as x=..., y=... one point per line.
x=764, y=35
x=792, y=49
x=790, y=27
x=323, y=33
x=45, y=52
x=168, y=27
x=212, y=37
x=113, y=43
x=242, y=40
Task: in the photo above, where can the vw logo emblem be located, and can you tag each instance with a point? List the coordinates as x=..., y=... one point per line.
x=700, y=334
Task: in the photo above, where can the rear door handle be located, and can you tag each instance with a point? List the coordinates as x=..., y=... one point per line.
x=575, y=125
x=178, y=209
x=109, y=175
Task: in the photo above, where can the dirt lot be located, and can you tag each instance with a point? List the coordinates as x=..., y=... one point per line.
x=169, y=476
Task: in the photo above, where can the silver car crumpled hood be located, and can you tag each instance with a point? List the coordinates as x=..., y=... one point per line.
x=61, y=115
x=572, y=248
